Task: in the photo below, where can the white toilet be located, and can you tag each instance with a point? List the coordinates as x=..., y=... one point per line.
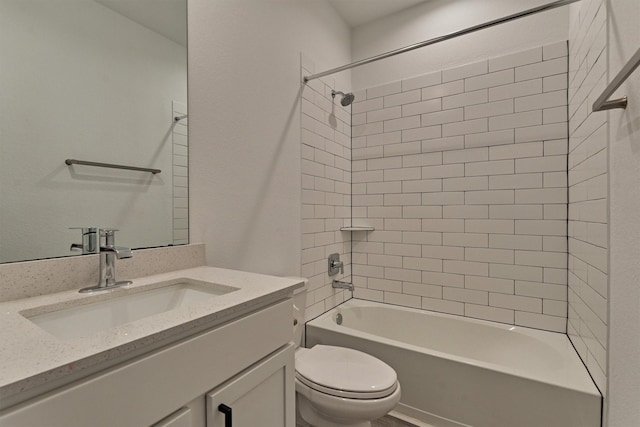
x=337, y=386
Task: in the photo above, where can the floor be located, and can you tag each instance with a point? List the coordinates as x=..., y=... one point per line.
x=389, y=421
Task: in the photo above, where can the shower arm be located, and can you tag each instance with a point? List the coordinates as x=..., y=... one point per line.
x=449, y=36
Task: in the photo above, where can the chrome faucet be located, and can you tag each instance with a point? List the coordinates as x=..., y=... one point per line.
x=108, y=254
x=337, y=284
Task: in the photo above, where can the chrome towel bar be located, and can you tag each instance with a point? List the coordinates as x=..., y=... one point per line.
x=601, y=103
x=110, y=165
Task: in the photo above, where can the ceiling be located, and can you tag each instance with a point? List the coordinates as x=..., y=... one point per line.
x=358, y=12
x=167, y=17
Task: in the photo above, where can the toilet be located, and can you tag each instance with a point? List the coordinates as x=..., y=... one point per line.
x=338, y=386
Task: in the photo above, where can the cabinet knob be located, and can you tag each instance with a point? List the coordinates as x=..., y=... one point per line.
x=227, y=411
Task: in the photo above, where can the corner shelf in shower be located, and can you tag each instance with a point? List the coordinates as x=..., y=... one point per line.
x=357, y=229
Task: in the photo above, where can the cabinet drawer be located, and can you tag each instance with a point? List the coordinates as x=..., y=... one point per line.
x=146, y=390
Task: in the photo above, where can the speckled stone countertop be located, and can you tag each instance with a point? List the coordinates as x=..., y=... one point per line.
x=33, y=361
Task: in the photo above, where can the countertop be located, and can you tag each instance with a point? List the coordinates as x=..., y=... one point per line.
x=32, y=361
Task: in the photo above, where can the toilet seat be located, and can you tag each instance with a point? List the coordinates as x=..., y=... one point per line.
x=344, y=372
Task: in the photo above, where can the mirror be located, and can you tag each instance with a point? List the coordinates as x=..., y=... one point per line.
x=98, y=81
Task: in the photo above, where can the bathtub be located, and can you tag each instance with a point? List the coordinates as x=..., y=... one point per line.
x=456, y=371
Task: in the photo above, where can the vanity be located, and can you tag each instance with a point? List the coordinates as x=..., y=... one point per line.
x=214, y=350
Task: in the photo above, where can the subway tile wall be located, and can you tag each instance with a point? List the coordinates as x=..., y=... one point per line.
x=326, y=190
x=180, y=137
x=463, y=174
x=588, y=189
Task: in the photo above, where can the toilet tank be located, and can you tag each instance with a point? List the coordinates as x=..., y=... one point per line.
x=299, y=305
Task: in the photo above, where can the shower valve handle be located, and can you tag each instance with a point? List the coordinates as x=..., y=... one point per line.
x=338, y=264
x=335, y=265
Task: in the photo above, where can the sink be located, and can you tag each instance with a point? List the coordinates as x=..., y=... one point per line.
x=87, y=319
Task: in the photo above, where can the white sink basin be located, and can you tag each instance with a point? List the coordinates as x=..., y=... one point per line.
x=87, y=319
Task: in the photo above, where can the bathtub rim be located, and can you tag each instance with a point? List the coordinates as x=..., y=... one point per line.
x=579, y=381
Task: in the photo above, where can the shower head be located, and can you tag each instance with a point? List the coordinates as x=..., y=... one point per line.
x=347, y=98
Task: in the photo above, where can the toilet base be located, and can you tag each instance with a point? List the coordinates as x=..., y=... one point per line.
x=306, y=416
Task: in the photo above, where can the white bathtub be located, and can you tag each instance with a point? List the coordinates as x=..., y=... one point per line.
x=457, y=371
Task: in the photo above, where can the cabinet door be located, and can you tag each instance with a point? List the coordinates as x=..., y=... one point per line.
x=180, y=418
x=263, y=395
x=190, y=415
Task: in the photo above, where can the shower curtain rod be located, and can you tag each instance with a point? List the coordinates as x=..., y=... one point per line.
x=435, y=40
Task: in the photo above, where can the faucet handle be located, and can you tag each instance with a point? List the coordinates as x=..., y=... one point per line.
x=338, y=264
x=110, y=244
x=108, y=231
x=335, y=265
x=109, y=235
x=90, y=240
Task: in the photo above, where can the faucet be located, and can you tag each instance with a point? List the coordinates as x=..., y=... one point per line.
x=342, y=285
x=109, y=252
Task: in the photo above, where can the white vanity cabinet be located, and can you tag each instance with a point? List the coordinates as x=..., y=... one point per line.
x=246, y=363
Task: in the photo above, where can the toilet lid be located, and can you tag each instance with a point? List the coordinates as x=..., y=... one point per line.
x=345, y=369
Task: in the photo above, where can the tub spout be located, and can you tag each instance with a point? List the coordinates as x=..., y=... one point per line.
x=342, y=285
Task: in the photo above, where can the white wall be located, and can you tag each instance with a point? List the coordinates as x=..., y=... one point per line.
x=624, y=241
x=244, y=124
x=98, y=88
x=439, y=17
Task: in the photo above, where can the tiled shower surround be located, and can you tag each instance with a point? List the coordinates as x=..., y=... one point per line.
x=463, y=174
x=588, y=189
x=180, y=137
x=326, y=190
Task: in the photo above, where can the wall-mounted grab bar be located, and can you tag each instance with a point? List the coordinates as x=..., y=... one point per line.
x=601, y=103
x=110, y=165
